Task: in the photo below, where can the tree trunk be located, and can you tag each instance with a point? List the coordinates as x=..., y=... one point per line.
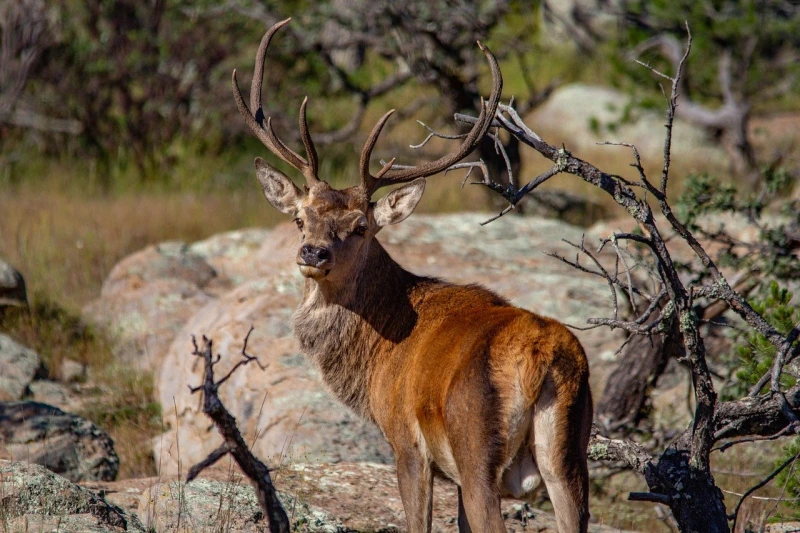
x=694, y=499
x=640, y=366
x=628, y=387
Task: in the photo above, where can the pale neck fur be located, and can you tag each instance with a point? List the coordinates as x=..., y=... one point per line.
x=344, y=327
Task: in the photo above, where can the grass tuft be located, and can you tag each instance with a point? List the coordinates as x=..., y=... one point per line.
x=126, y=409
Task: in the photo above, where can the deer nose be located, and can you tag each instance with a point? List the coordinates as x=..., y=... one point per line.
x=314, y=255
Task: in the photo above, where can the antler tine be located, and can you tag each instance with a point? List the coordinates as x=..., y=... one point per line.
x=255, y=120
x=311, y=152
x=368, y=181
x=249, y=119
x=389, y=176
x=258, y=70
x=289, y=155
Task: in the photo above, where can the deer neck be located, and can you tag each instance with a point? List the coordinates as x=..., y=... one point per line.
x=346, y=327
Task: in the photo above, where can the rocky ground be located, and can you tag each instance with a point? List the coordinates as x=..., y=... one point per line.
x=336, y=465
x=329, y=498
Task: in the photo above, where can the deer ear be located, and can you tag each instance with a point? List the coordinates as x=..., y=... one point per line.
x=280, y=191
x=398, y=204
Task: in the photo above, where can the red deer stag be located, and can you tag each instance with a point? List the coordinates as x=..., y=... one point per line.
x=461, y=383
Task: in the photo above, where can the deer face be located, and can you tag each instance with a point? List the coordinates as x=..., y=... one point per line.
x=336, y=225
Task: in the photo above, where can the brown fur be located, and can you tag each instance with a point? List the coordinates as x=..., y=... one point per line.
x=460, y=382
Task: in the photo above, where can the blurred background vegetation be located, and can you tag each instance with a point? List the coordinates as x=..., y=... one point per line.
x=118, y=128
x=119, y=95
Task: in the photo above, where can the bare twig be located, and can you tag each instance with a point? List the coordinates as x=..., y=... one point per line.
x=785, y=431
x=500, y=149
x=673, y=104
x=601, y=272
x=433, y=133
x=780, y=358
x=762, y=498
x=759, y=485
x=246, y=358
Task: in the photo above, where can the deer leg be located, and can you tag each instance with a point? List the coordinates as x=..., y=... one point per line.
x=561, y=434
x=463, y=525
x=481, y=506
x=479, y=498
x=415, y=479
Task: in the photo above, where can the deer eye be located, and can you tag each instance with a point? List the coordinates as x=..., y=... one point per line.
x=299, y=223
x=360, y=231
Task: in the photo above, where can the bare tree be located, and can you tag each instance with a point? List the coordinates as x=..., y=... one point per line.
x=749, y=57
x=24, y=35
x=680, y=475
x=730, y=120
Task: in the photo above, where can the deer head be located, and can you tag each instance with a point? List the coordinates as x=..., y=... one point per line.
x=338, y=225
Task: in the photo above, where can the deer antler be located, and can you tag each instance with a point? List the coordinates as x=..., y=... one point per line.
x=388, y=176
x=267, y=134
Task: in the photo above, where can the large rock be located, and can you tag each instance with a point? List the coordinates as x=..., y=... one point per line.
x=149, y=296
x=12, y=286
x=19, y=366
x=32, y=498
x=64, y=443
x=286, y=404
x=581, y=116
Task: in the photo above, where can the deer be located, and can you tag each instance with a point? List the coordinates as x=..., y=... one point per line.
x=462, y=384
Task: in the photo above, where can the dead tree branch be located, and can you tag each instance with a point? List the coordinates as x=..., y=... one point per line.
x=632, y=455
x=234, y=444
x=731, y=118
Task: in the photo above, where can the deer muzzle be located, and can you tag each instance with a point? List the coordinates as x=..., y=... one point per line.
x=314, y=261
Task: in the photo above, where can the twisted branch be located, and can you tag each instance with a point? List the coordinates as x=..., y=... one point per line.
x=234, y=443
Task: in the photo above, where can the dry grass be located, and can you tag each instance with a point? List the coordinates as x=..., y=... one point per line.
x=66, y=244
x=56, y=335
x=741, y=467
x=125, y=407
x=117, y=399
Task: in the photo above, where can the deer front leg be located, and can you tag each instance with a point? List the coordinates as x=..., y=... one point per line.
x=415, y=478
